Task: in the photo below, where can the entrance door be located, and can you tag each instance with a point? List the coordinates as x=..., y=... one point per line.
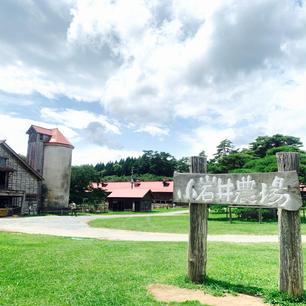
x=3, y=180
x=137, y=205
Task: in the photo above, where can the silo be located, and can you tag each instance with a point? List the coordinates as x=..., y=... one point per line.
x=56, y=171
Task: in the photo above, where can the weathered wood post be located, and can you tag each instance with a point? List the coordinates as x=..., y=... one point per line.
x=197, y=247
x=290, y=244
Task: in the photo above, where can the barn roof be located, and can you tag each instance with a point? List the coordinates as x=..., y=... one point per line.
x=21, y=161
x=154, y=186
x=129, y=193
x=57, y=138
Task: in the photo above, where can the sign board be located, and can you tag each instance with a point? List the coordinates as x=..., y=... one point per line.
x=272, y=190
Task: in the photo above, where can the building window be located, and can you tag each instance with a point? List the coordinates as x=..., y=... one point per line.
x=31, y=197
x=3, y=162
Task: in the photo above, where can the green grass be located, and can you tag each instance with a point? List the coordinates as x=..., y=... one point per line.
x=217, y=225
x=46, y=270
x=153, y=211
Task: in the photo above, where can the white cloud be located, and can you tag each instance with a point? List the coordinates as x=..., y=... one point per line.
x=93, y=154
x=153, y=130
x=78, y=119
x=15, y=135
x=205, y=138
x=235, y=69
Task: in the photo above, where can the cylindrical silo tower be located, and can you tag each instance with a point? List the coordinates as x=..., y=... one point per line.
x=56, y=170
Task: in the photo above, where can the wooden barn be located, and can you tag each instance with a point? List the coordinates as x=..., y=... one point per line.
x=130, y=200
x=20, y=184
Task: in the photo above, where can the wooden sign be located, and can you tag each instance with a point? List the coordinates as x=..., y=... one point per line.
x=272, y=190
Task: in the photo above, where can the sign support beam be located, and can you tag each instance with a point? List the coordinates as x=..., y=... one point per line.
x=290, y=243
x=197, y=246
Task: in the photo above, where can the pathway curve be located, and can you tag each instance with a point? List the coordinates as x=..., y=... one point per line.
x=69, y=226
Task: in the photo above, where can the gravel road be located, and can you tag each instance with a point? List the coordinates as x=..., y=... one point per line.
x=69, y=226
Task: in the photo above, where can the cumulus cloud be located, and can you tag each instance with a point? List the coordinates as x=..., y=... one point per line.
x=92, y=128
x=79, y=119
x=235, y=69
x=153, y=130
x=96, y=133
x=96, y=154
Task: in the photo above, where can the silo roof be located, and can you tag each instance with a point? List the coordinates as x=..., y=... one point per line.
x=57, y=138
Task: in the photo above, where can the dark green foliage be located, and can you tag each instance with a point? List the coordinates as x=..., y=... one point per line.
x=81, y=176
x=266, y=164
x=273, y=151
x=263, y=143
x=155, y=163
x=224, y=148
x=230, y=162
x=182, y=165
x=260, y=157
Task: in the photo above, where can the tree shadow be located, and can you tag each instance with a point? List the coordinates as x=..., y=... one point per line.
x=223, y=286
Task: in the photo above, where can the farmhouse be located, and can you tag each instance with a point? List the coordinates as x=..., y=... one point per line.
x=20, y=184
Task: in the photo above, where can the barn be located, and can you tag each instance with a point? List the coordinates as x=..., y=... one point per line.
x=130, y=200
x=162, y=191
x=20, y=184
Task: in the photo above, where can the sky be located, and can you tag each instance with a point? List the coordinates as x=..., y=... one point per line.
x=118, y=77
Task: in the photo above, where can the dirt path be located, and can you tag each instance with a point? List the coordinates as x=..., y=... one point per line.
x=166, y=293
x=69, y=226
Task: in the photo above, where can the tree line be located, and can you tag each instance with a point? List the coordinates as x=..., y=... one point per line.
x=153, y=165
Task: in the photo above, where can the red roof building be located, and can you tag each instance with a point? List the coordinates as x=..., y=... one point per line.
x=130, y=199
x=162, y=191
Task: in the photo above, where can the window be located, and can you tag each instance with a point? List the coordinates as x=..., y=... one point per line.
x=31, y=197
x=3, y=162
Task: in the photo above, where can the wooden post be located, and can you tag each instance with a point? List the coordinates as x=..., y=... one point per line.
x=259, y=215
x=290, y=244
x=197, y=248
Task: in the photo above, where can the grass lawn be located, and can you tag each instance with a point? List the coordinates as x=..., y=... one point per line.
x=153, y=211
x=47, y=270
x=217, y=225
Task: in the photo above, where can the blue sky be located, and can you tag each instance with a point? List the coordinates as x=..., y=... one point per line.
x=118, y=77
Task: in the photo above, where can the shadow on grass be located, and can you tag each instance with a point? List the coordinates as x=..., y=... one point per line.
x=272, y=297
x=218, y=287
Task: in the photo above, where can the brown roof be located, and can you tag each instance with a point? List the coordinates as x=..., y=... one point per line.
x=22, y=162
x=41, y=130
x=129, y=193
x=57, y=138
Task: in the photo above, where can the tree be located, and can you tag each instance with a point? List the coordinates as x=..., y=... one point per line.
x=182, y=165
x=81, y=176
x=224, y=148
x=202, y=154
x=230, y=162
x=263, y=143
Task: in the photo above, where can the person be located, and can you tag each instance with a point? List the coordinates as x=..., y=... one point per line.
x=73, y=208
